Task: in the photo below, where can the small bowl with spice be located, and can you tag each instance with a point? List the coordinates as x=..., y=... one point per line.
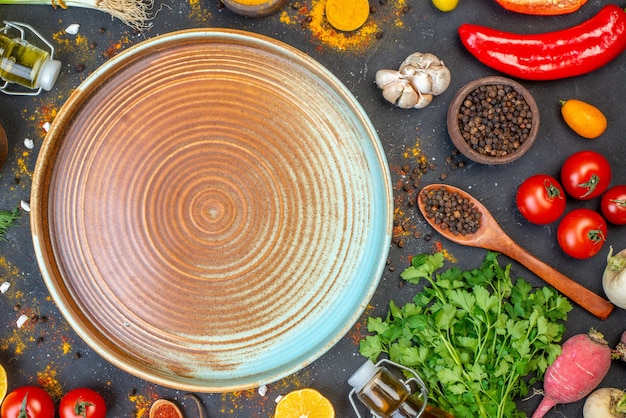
x=493, y=120
x=254, y=8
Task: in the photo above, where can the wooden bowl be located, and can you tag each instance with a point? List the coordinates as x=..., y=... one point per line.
x=455, y=132
x=258, y=8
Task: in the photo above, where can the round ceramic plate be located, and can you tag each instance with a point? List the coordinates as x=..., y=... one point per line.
x=211, y=210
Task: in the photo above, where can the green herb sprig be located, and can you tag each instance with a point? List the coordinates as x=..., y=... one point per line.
x=477, y=339
x=7, y=220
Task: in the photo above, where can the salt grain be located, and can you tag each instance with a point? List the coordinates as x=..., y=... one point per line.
x=72, y=29
x=25, y=206
x=29, y=143
x=21, y=321
x=46, y=126
x=4, y=287
x=263, y=390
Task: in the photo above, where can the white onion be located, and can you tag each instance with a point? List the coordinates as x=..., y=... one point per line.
x=614, y=278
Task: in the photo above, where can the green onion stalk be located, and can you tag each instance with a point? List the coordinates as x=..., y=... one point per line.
x=134, y=13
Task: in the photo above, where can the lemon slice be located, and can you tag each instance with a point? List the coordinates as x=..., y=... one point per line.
x=304, y=403
x=3, y=383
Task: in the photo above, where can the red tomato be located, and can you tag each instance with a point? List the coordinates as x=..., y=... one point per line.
x=28, y=401
x=540, y=199
x=585, y=175
x=613, y=205
x=82, y=403
x=582, y=233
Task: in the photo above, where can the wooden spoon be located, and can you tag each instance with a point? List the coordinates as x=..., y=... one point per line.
x=490, y=236
x=4, y=146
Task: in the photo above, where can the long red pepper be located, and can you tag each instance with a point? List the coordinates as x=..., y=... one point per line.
x=552, y=55
x=542, y=7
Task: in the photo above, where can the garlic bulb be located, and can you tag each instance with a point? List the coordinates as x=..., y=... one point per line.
x=425, y=74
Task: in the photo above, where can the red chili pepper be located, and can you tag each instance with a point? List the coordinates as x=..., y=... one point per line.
x=542, y=7
x=552, y=55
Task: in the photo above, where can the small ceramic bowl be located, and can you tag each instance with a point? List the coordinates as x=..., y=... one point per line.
x=471, y=146
x=254, y=8
x=161, y=406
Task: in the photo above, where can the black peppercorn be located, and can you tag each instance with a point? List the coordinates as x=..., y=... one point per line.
x=495, y=120
x=450, y=211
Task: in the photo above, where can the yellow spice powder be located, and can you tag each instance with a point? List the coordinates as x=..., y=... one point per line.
x=49, y=381
x=358, y=40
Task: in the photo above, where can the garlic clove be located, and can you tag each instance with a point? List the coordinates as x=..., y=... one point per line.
x=420, y=61
x=412, y=61
x=408, y=98
x=393, y=91
x=440, y=78
x=408, y=70
x=423, y=100
x=386, y=77
x=421, y=82
x=429, y=60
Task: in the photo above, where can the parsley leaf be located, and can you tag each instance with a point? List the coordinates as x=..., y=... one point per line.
x=477, y=339
x=7, y=220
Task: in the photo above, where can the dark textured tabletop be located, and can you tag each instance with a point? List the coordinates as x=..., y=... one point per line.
x=47, y=352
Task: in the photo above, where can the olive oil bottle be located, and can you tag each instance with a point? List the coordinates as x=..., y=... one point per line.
x=387, y=396
x=27, y=65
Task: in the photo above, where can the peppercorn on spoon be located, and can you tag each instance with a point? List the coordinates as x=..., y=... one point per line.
x=491, y=236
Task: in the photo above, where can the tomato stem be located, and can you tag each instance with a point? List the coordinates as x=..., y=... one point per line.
x=590, y=184
x=80, y=407
x=619, y=202
x=23, y=410
x=596, y=235
x=551, y=190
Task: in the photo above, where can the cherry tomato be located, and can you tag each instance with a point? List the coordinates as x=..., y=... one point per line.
x=540, y=199
x=28, y=401
x=581, y=233
x=82, y=403
x=585, y=175
x=613, y=205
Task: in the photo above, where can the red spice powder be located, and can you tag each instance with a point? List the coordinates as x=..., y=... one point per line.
x=166, y=411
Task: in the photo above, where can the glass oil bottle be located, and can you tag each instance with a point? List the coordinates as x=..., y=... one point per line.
x=388, y=396
x=25, y=64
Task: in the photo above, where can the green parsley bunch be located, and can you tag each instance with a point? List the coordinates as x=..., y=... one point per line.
x=477, y=339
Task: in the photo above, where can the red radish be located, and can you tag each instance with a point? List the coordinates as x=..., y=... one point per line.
x=584, y=361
